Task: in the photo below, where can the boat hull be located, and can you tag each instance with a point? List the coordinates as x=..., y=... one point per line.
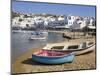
x=85, y=50
x=54, y=60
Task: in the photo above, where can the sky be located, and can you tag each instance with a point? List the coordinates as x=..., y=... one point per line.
x=50, y=8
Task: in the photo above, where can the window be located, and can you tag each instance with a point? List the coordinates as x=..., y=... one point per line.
x=69, y=18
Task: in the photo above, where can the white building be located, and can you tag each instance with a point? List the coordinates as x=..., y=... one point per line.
x=75, y=22
x=71, y=20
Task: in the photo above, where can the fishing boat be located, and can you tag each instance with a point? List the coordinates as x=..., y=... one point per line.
x=16, y=31
x=65, y=36
x=38, y=35
x=52, y=57
x=78, y=49
x=19, y=31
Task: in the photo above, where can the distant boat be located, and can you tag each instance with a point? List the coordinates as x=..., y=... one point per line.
x=52, y=57
x=78, y=49
x=65, y=36
x=19, y=31
x=16, y=31
x=38, y=35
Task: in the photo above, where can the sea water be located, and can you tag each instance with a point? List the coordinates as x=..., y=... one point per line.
x=20, y=42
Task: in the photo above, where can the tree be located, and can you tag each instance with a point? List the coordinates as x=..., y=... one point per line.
x=14, y=14
x=20, y=20
x=25, y=16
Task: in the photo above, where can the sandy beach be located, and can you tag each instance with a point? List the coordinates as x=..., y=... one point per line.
x=24, y=63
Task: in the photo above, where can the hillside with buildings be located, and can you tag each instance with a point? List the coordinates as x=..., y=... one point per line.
x=51, y=21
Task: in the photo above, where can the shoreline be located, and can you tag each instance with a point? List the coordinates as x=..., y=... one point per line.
x=24, y=63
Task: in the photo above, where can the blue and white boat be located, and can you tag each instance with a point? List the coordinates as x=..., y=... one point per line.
x=38, y=35
x=52, y=57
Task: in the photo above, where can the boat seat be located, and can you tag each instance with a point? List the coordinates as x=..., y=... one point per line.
x=65, y=48
x=80, y=46
x=84, y=45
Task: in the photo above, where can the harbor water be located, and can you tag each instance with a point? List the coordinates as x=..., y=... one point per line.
x=20, y=42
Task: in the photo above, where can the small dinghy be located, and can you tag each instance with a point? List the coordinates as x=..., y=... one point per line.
x=52, y=57
x=78, y=49
x=38, y=35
